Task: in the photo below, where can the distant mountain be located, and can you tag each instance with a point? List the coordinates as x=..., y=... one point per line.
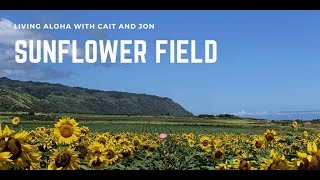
x=44, y=97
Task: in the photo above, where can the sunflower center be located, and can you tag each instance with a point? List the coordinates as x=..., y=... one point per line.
x=48, y=132
x=13, y=146
x=145, y=147
x=296, y=148
x=63, y=160
x=218, y=154
x=110, y=154
x=245, y=165
x=136, y=143
x=286, y=150
x=269, y=136
x=258, y=144
x=102, y=141
x=96, y=163
x=66, y=130
x=205, y=143
x=126, y=153
x=191, y=142
x=314, y=164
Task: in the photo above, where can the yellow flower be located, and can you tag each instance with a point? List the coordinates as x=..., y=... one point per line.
x=136, y=142
x=6, y=132
x=217, y=154
x=41, y=130
x=243, y=165
x=67, y=131
x=15, y=121
x=294, y=124
x=126, y=152
x=309, y=160
x=23, y=155
x=270, y=135
x=111, y=155
x=305, y=134
x=191, y=142
x=101, y=139
x=223, y=166
x=188, y=136
x=275, y=162
x=64, y=159
x=84, y=130
x=216, y=143
x=205, y=142
x=97, y=157
x=312, y=148
x=258, y=142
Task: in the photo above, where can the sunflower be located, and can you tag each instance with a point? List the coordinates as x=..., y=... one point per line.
x=111, y=154
x=191, y=142
x=124, y=142
x=276, y=162
x=126, y=152
x=97, y=155
x=217, y=154
x=258, y=142
x=216, y=143
x=41, y=130
x=136, y=142
x=15, y=121
x=205, y=142
x=188, y=136
x=294, y=124
x=305, y=134
x=243, y=164
x=67, y=131
x=223, y=166
x=309, y=160
x=64, y=159
x=101, y=139
x=23, y=155
x=270, y=135
x=84, y=130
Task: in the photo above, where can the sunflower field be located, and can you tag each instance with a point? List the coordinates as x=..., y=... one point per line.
x=69, y=146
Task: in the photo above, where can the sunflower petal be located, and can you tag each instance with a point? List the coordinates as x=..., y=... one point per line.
x=314, y=148
x=309, y=157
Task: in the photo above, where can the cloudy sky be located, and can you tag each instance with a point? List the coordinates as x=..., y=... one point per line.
x=268, y=61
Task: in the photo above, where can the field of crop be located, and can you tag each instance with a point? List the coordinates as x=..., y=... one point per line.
x=162, y=124
x=158, y=143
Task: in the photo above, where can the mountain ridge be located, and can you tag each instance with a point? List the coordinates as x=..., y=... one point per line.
x=18, y=95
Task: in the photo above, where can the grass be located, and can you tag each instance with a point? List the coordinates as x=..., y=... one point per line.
x=159, y=124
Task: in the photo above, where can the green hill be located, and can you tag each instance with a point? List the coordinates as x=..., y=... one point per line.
x=56, y=98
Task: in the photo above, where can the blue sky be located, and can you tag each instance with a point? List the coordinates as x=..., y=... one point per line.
x=268, y=61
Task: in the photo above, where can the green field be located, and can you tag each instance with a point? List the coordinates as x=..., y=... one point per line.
x=165, y=124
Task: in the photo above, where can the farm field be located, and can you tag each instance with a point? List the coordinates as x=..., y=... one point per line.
x=162, y=124
x=105, y=142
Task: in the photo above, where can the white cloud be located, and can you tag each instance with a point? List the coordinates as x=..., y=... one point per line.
x=9, y=35
x=245, y=113
x=8, y=66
